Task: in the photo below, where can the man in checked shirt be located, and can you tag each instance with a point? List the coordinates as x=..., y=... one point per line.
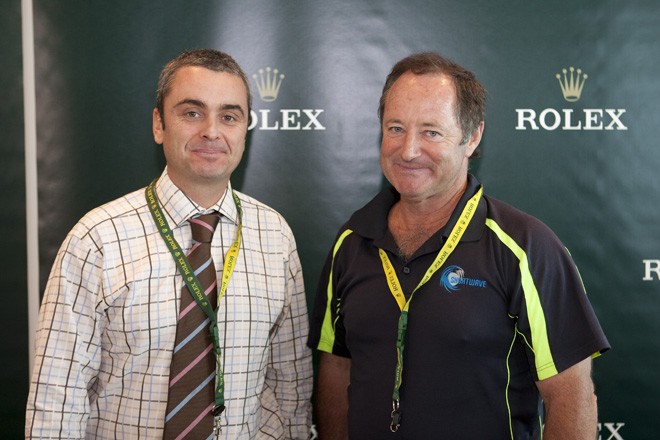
x=109, y=313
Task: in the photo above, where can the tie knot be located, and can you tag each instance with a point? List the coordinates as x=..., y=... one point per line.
x=203, y=226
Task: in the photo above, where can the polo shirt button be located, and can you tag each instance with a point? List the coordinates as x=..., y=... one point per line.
x=406, y=270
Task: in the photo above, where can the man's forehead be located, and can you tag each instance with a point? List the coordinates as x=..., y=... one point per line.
x=201, y=83
x=436, y=86
x=429, y=79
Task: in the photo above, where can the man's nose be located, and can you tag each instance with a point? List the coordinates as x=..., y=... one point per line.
x=410, y=148
x=212, y=128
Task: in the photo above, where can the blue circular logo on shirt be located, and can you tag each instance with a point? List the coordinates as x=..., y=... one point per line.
x=451, y=278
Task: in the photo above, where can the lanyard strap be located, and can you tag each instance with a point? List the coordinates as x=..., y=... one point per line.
x=193, y=283
x=397, y=292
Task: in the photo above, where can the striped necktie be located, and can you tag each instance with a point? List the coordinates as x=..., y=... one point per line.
x=190, y=402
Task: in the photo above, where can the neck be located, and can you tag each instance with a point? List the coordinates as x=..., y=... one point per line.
x=434, y=210
x=204, y=194
x=413, y=222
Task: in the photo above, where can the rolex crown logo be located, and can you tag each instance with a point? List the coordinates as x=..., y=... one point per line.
x=571, y=82
x=268, y=83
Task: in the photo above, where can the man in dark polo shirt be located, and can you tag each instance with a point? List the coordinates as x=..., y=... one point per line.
x=442, y=313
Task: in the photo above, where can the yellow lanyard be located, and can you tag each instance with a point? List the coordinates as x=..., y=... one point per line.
x=395, y=288
x=193, y=283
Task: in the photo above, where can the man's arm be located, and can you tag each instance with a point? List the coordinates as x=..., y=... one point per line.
x=67, y=344
x=332, y=397
x=571, y=412
x=290, y=375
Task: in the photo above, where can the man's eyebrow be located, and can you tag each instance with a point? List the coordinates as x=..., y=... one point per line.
x=190, y=101
x=236, y=107
x=424, y=124
x=202, y=104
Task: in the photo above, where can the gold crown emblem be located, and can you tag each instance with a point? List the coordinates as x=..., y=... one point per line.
x=571, y=82
x=268, y=83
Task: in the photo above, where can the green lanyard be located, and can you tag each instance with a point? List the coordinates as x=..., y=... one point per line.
x=193, y=284
x=395, y=288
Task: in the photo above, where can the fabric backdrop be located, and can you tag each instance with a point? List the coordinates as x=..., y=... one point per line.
x=586, y=163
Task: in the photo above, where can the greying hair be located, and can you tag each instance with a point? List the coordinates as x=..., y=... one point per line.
x=470, y=94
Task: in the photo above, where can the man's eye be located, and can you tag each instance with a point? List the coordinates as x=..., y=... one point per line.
x=229, y=118
x=192, y=114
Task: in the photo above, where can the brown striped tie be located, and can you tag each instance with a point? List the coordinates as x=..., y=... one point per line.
x=192, y=372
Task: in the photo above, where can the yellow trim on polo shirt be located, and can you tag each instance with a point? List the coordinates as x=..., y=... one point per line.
x=545, y=364
x=327, y=339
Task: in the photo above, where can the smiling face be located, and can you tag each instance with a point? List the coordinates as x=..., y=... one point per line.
x=421, y=151
x=203, y=128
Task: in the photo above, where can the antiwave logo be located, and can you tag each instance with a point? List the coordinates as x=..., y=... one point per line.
x=571, y=82
x=454, y=276
x=269, y=82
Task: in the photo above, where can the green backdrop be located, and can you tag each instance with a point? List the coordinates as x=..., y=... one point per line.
x=313, y=153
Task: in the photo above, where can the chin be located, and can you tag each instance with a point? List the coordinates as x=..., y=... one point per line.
x=409, y=186
x=409, y=193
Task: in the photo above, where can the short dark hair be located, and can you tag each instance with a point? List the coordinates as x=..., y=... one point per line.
x=470, y=94
x=209, y=59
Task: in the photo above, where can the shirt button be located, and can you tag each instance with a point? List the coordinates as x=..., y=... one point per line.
x=406, y=270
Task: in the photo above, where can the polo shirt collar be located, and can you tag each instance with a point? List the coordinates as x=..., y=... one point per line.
x=371, y=220
x=478, y=223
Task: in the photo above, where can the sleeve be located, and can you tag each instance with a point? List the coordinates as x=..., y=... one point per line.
x=67, y=342
x=289, y=376
x=554, y=312
x=326, y=332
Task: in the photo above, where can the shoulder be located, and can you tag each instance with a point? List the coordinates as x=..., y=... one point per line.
x=258, y=215
x=121, y=212
x=510, y=217
x=370, y=221
x=512, y=225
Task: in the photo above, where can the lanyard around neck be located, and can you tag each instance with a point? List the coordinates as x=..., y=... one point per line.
x=193, y=284
x=397, y=292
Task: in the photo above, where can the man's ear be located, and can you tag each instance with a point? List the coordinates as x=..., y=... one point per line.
x=475, y=139
x=157, y=126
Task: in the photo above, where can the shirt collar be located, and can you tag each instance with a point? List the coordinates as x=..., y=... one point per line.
x=371, y=220
x=179, y=208
x=478, y=222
